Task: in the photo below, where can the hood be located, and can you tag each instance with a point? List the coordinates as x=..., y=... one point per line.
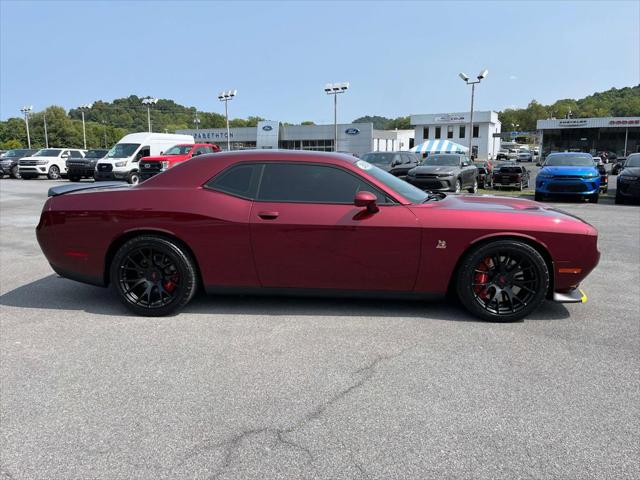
x=434, y=169
x=630, y=171
x=569, y=170
x=162, y=158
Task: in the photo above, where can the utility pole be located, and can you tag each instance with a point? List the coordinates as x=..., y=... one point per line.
x=334, y=89
x=225, y=96
x=465, y=78
x=27, y=111
x=148, y=101
x=46, y=137
x=82, y=109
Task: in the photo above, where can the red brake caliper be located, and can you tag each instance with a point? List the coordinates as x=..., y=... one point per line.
x=170, y=284
x=482, y=277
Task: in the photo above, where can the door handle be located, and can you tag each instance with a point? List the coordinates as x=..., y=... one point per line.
x=268, y=215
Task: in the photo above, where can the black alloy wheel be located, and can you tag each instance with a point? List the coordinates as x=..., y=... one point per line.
x=153, y=276
x=503, y=281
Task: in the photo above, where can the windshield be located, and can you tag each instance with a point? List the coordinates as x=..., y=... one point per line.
x=408, y=191
x=448, y=160
x=47, y=152
x=633, y=160
x=379, y=158
x=122, y=150
x=179, y=150
x=95, y=154
x=14, y=153
x=569, y=160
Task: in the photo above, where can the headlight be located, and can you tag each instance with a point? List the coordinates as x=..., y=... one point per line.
x=544, y=175
x=411, y=173
x=121, y=164
x=628, y=178
x=164, y=164
x=444, y=175
x=591, y=175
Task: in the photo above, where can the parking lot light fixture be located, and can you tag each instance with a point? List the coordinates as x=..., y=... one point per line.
x=83, y=108
x=196, y=121
x=26, y=111
x=148, y=101
x=334, y=89
x=225, y=96
x=483, y=74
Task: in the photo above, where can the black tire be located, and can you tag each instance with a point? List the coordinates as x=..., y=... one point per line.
x=619, y=200
x=53, y=173
x=458, y=186
x=133, y=178
x=74, y=178
x=474, y=188
x=15, y=173
x=539, y=197
x=515, y=271
x=594, y=198
x=148, y=266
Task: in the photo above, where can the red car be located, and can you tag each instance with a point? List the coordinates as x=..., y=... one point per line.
x=150, y=166
x=291, y=221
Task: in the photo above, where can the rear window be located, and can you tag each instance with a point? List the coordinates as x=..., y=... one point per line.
x=510, y=170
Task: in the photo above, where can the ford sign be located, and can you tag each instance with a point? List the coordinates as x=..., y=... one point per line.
x=352, y=131
x=267, y=128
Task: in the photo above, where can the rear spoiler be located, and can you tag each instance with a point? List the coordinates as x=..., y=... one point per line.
x=62, y=189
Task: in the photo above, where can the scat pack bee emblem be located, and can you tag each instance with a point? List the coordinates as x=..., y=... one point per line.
x=441, y=244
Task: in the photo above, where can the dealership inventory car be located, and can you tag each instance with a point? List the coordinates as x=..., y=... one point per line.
x=510, y=175
x=312, y=222
x=396, y=163
x=445, y=172
x=524, y=155
x=485, y=169
x=78, y=168
x=51, y=162
x=9, y=161
x=150, y=166
x=568, y=173
x=628, y=182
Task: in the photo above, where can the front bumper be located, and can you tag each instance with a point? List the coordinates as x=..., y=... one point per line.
x=628, y=189
x=568, y=187
x=33, y=170
x=113, y=175
x=574, y=295
x=436, y=184
x=83, y=172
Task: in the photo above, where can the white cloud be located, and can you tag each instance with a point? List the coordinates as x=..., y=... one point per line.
x=513, y=77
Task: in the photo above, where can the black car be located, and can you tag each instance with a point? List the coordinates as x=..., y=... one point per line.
x=484, y=174
x=445, y=172
x=628, y=184
x=510, y=175
x=9, y=161
x=78, y=168
x=396, y=163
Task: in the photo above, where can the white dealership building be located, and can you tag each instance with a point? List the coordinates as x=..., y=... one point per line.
x=355, y=138
x=454, y=127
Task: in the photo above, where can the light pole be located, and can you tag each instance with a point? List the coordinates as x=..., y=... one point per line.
x=196, y=121
x=465, y=78
x=148, y=101
x=104, y=122
x=46, y=136
x=334, y=89
x=225, y=97
x=82, y=108
x=26, y=111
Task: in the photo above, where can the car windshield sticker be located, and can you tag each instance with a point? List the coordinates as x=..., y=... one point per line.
x=363, y=165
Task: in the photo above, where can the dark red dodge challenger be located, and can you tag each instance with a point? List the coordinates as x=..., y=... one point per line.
x=287, y=221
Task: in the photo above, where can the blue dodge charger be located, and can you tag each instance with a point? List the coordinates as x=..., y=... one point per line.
x=568, y=173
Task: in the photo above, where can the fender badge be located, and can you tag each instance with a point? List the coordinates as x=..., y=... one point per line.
x=441, y=244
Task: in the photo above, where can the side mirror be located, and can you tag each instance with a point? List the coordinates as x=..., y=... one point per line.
x=367, y=200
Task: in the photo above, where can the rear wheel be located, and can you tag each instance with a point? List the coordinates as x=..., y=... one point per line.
x=54, y=173
x=502, y=281
x=458, y=186
x=133, y=178
x=474, y=188
x=15, y=173
x=153, y=276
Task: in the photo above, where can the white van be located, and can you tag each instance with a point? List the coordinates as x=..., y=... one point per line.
x=121, y=163
x=51, y=162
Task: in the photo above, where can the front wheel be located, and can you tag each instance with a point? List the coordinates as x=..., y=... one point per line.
x=502, y=281
x=474, y=188
x=15, y=173
x=619, y=200
x=153, y=276
x=133, y=178
x=539, y=197
x=458, y=186
x=594, y=198
x=74, y=178
x=54, y=173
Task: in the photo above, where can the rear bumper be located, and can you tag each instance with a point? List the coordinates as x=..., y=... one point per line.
x=574, y=295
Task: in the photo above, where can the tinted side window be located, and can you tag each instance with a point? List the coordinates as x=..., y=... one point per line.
x=75, y=154
x=308, y=183
x=240, y=180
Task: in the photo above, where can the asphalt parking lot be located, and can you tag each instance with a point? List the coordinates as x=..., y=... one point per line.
x=281, y=388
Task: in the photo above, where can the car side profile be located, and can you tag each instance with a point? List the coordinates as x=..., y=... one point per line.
x=79, y=168
x=49, y=162
x=568, y=173
x=445, y=172
x=314, y=223
x=9, y=161
x=628, y=182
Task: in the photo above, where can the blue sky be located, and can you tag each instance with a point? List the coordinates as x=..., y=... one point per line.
x=400, y=57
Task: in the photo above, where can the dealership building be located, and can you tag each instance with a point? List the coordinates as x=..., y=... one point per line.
x=355, y=138
x=620, y=135
x=454, y=127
